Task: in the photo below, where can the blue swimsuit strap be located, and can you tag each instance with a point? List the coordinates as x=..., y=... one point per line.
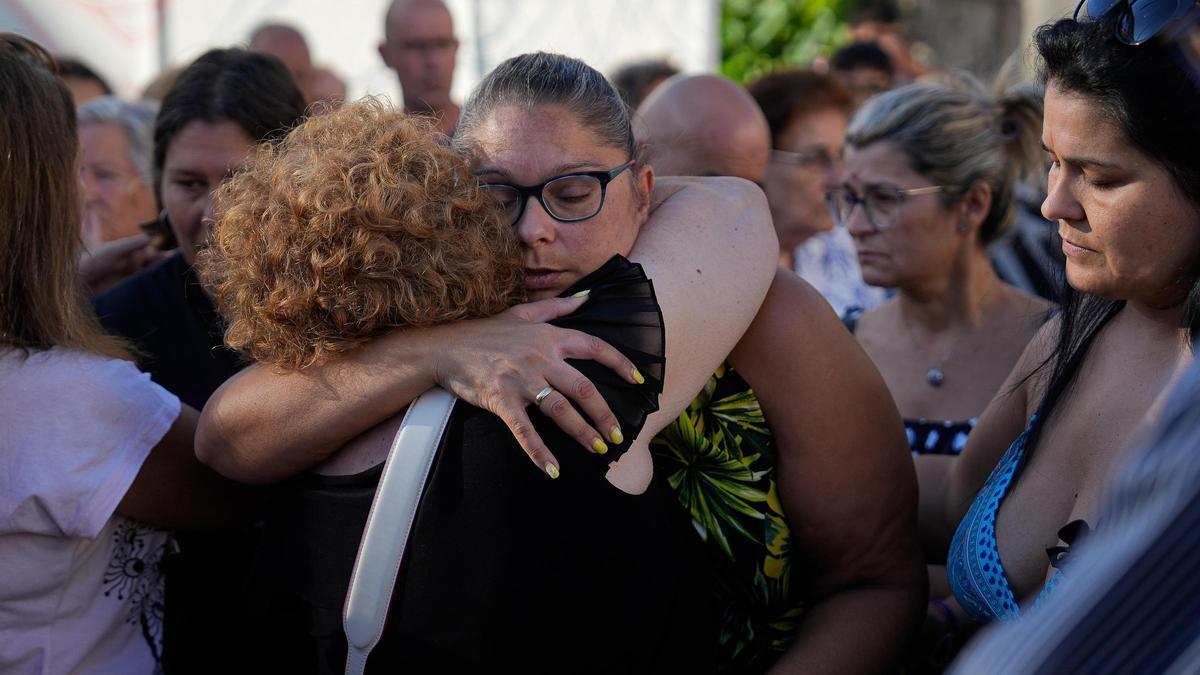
x=974, y=569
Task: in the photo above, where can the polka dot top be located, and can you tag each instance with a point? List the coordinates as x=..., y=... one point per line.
x=937, y=437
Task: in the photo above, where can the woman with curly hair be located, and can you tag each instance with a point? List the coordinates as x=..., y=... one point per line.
x=354, y=224
x=97, y=458
x=360, y=227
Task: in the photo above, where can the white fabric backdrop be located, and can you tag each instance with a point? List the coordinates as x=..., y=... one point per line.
x=120, y=38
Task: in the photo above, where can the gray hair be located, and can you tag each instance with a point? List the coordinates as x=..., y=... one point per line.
x=135, y=120
x=540, y=78
x=957, y=136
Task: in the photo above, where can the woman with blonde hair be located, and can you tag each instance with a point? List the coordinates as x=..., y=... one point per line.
x=96, y=457
x=929, y=181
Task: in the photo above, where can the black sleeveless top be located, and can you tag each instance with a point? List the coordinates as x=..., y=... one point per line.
x=506, y=567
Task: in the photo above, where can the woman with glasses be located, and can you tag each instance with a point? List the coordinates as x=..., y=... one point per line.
x=807, y=113
x=1124, y=188
x=928, y=182
x=582, y=562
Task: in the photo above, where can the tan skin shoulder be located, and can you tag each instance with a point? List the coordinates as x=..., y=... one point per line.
x=845, y=479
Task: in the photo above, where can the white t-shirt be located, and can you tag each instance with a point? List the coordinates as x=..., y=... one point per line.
x=81, y=588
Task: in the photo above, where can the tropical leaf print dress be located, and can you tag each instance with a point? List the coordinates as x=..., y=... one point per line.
x=719, y=457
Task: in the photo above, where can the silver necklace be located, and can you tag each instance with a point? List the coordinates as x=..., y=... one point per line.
x=936, y=375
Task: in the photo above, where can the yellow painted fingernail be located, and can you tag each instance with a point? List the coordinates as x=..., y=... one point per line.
x=551, y=470
x=637, y=376
x=599, y=446
x=616, y=436
x=582, y=294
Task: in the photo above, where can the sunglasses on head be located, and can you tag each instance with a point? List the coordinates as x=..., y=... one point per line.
x=1139, y=20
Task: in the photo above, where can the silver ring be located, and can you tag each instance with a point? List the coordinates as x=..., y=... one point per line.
x=541, y=396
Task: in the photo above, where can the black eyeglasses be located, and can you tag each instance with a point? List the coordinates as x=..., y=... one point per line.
x=567, y=199
x=880, y=203
x=1139, y=20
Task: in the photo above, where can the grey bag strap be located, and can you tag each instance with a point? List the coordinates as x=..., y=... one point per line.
x=390, y=522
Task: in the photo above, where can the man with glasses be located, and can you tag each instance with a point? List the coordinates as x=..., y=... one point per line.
x=419, y=44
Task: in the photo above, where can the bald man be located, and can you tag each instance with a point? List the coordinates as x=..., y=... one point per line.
x=419, y=44
x=705, y=125
x=286, y=44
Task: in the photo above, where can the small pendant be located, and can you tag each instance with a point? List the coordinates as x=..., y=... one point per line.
x=935, y=377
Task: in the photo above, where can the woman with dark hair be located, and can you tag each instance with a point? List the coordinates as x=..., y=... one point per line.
x=96, y=457
x=532, y=119
x=223, y=105
x=1124, y=187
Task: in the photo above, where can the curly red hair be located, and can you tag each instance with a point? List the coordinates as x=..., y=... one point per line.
x=357, y=222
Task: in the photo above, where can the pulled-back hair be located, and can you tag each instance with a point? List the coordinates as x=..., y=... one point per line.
x=956, y=137
x=253, y=90
x=1148, y=94
x=540, y=78
x=42, y=300
x=357, y=222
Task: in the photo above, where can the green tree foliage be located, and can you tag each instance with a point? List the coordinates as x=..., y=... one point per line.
x=761, y=35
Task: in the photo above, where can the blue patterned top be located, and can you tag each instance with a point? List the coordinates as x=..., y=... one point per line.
x=973, y=568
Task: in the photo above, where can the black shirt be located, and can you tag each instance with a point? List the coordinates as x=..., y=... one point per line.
x=506, y=568
x=166, y=314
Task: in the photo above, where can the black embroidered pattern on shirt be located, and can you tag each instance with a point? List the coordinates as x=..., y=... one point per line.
x=135, y=573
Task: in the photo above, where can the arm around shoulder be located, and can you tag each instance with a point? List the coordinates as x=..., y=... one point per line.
x=264, y=425
x=711, y=252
